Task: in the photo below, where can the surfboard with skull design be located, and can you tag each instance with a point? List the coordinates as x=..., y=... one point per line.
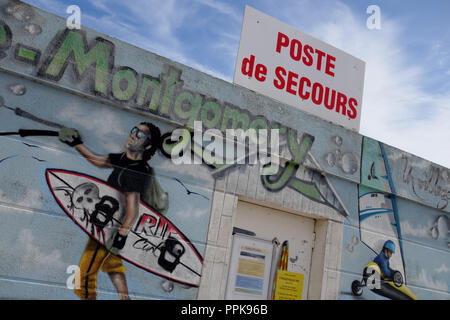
x=154, y=244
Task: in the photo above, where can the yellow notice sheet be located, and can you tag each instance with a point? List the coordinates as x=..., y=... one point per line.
x=289, y=285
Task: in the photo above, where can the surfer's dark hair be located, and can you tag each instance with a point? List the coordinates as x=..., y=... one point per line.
x=155, y=140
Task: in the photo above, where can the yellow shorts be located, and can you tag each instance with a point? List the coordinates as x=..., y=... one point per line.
x=94, y=258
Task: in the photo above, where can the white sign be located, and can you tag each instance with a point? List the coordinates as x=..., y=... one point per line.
x=278, y=61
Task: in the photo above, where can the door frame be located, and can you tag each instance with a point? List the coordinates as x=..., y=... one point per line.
x=325, y=261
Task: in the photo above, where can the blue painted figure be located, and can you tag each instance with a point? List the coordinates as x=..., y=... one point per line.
x=382, y=260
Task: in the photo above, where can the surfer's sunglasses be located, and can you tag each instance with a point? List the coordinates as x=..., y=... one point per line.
x=139, y=133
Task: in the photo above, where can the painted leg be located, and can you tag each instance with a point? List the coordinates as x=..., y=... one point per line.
x=120, y=283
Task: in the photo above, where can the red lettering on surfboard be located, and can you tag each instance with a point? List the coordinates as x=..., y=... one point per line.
x=146, y=224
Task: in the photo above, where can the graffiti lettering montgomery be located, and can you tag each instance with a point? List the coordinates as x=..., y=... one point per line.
x=164, y=95
x=92, y=63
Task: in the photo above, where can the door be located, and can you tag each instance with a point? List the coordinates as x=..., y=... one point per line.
x=268, y=223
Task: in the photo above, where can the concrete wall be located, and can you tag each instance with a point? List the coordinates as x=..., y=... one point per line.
x=103, y=87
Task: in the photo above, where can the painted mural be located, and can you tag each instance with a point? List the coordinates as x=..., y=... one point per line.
x=392, y=239
x=93, y=205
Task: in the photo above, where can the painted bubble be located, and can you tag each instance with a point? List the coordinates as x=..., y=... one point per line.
x=349, y=247
x=349, y=163
x=18, y=89
x=338, y=154
x=352, y=243
x=338, y=140
x=33, y=28
x=167, y=286
x=440, y=229
x=330, y=159
x=20, y=12
x=443, y=226
x=434, y=232
x=9, y=9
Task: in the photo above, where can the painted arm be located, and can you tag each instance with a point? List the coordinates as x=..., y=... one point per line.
x=132, y=212
x=118, y=240
x=100, y=161
x=72, y=138
x=387, y=271
x=383, y=263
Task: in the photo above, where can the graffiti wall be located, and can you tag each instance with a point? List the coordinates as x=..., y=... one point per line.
x=60, y=209
x=84, y=116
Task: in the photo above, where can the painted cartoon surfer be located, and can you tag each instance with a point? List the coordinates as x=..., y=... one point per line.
x=132, y=175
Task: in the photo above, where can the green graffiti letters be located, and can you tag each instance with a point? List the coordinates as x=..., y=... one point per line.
x=210, y=114
x=187, y=107
x=280, y=180
x=238, y=119
x=172, y=82
x=5, y=38
x=124, y=84
x=149, y=93
x=71, y=48
x=165, y=95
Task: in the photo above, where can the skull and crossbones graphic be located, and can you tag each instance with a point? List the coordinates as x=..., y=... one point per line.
x=99, y=212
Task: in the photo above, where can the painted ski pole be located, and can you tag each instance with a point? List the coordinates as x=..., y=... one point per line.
x=22, y=113
x=27, y=132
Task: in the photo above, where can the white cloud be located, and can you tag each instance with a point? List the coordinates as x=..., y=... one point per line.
x=222, y=8
x=30, y=198
x=397, y=109
x=4, y=197
x=442, y=269
x=427, y=281
x=154, y=26
x=33, y=257
x=104, y=125
x=148, y=19
x=421, y=231
x=190, y=212
x=194, y=174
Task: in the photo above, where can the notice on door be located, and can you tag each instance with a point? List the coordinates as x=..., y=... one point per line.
x=251, y=270
x=289, y=285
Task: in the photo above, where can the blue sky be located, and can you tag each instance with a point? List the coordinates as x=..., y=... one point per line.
x=406, y=101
